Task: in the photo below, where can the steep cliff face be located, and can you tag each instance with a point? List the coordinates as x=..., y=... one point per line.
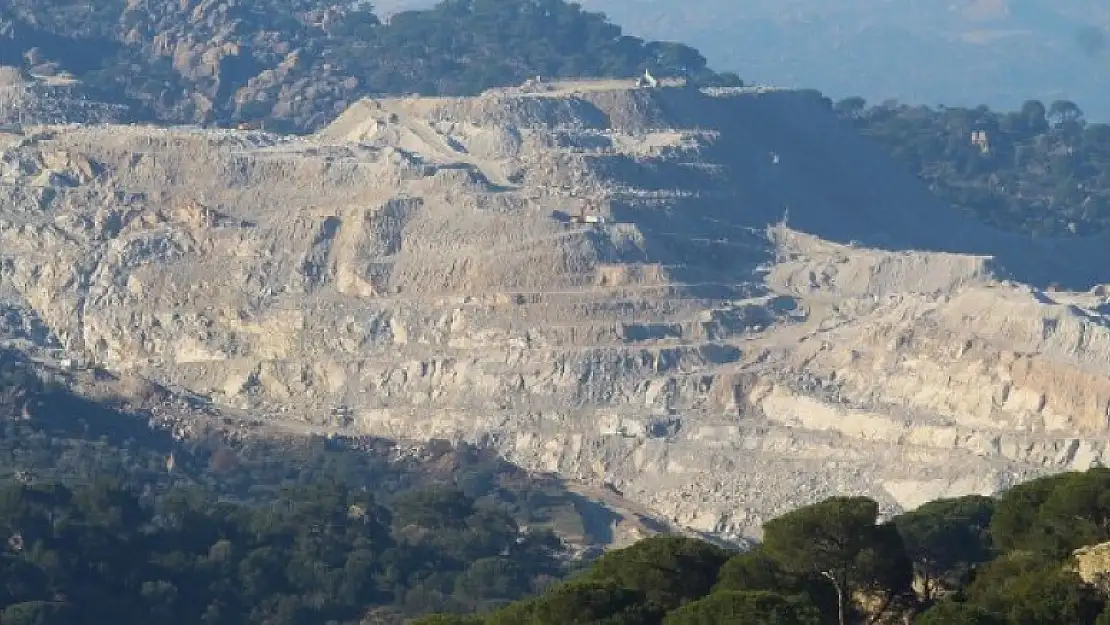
x=723, y=303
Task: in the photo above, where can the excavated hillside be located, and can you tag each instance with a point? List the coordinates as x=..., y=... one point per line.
x=723, y=303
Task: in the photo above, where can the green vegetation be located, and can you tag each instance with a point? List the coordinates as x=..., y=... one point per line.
x=965, y=561
x=297, y=63
x=1042, y=170
x=945, y=540
x=96, y=526
x=101, y=553
x=464, y=46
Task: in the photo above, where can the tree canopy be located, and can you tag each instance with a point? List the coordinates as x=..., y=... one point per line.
x=946, y=540
x=324, y=553
x=939, y=564
x=745, y=608
x=1041, y=170
x=840, y=539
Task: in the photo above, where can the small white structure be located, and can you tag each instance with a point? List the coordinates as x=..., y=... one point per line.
x=980, y=140
x=647, y=80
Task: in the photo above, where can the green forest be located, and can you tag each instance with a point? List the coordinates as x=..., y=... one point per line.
x=1042, y=170
x=320, y=553
x=966, y=561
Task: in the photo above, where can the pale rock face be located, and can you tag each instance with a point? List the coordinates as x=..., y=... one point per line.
x=412, y=271
x=1093, y=564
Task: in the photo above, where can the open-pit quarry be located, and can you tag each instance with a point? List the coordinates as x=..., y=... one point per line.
x=720, y=303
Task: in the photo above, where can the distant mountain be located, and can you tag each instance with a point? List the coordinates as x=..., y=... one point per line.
x=960, y=52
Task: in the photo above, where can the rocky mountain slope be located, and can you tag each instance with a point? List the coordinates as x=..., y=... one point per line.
x=25, y=99
x=721, y=303
x=296, y=64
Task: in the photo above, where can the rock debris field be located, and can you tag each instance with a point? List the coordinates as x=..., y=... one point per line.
x=721, y=304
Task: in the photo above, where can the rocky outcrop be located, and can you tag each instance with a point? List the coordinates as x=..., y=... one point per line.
x=29, y=100
x=212, y=61
x=1092, y=563
x=721, y=303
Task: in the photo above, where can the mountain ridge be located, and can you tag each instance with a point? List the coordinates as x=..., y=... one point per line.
x=297, y=65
